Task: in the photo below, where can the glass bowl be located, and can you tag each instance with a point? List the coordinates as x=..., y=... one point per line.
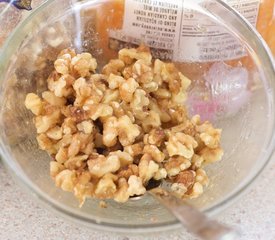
x=97, y=26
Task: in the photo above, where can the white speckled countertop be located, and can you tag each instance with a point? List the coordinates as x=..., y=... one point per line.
x=23, y=219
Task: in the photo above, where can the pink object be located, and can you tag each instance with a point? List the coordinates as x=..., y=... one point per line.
x=224, y=94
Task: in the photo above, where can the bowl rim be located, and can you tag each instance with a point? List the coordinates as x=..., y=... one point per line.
x=154, y=227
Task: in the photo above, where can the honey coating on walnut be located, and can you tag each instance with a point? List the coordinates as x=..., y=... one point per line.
x=110, y=133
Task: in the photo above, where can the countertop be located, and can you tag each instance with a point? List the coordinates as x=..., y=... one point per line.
x=24, y=219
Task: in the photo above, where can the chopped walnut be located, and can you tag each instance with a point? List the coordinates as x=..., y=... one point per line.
x=56, y=168
x=122, y=194
x=66, y=180
x=154, y=152
x=155, y=137
x=128, y=171
x=142, y=72
x=160, y=174
x=85, y=126
x=83, y=64
x=211, y=155
x=125, y=158
x=110, y=133
x=106, y=187
x=77, y=162
x=44, y=123
x=100, y=110
x=115, y=81
x=101, y=165
x=135, y=186
x=52, y=99
x=34, y=103
x=135, y=149
x=110, y=96
x=115, y=66
x=147, y=168
x=182, y=145
x=176, y=164
x=127, y=131
x=129, y=55
x=187, y=178
x=127, y=89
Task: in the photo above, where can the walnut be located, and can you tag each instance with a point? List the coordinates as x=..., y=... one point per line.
x=122, y=194
x=60, y=87
x=182, y=145
x=85, y=126
x=176, y=164
x=52, y=99
x=163, y=114
x=34, y=103
x=196, y=190
x=187, y=178
x=127, y=131
x=69, y=126
x=84, y=187
x=162, y=93
x=127, y=89
x=139, y=102
x=160, y=174
x=66, y=180
x=117, y=109
x=181, y=96
x=115, y=66
x=100, y=110
x=142, y=72
x=45, y=143
x=135, y=186
x=135, y=149
x=55, y=133
x=44, y=123
x=155, y=137
x=124, y=157
x=62, y=155
x=150, y=87
x=56, y=168
x=62, y=64
x=211, y=137
x=110, y=96
x=101, y=165
x=197, y=161
x=74, y=146
x=128, y=171
x=115, y=81
x=106, y=187
x=110, y=131
x=179, y=189
x=147, y=168
x=211, y=155
x=83, y=64
x=154, y=152
x=129, y=55
x=152, y=120
x=76, y=162
x=82, y=90
x=201, y=177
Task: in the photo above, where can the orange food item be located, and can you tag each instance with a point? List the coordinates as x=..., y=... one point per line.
x=110, y=16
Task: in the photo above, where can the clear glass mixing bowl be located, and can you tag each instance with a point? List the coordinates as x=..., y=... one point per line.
x=27, y=58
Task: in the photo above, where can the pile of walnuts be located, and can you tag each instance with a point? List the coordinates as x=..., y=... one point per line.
x=109, y=134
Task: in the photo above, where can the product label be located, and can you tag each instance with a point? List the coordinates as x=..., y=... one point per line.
x=177, y=32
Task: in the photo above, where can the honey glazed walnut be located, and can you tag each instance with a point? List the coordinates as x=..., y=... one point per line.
x=110, y=133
